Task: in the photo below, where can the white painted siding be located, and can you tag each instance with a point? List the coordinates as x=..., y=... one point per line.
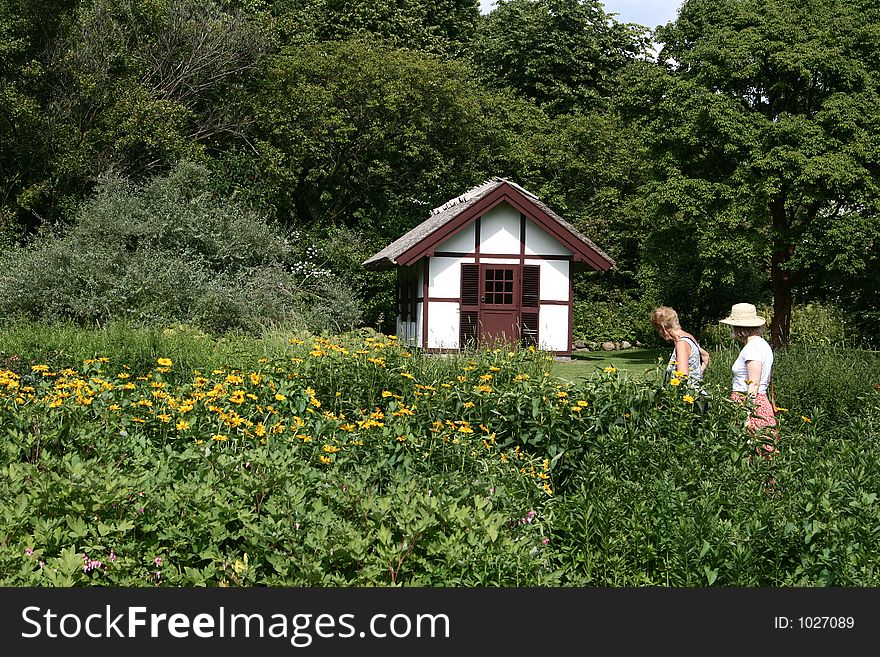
x=499, y=230
x=553, y=328
x=445, y=277
x=418, y=325
x=538, y=242
x=499, y=261
x=443, y=325
x=462, y=242
x=554, y=280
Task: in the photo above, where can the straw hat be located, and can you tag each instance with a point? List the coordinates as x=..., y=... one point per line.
x=744, y=314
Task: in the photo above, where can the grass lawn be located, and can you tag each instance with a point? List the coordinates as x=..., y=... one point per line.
x=632, y=362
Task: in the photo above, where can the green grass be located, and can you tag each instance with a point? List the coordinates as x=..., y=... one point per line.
x=632, y=362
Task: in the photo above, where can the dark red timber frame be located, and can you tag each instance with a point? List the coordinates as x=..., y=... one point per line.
x=581, y=253
x=482, y=260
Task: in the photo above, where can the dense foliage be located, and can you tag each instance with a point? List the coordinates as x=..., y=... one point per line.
x=749, y=143
x=351, y=461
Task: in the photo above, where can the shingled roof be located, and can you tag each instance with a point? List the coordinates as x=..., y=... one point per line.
x=447, y=219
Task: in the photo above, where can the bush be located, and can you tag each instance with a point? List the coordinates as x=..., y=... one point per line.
x=170, y=252
x=614, y=319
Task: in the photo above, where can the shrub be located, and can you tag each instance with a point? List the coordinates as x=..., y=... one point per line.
x=170, y=252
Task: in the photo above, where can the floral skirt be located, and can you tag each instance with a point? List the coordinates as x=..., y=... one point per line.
x=761, y=421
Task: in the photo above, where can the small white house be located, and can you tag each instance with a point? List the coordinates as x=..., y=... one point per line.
x=492, y=264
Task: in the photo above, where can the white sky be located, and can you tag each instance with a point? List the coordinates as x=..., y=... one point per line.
x=650, y=13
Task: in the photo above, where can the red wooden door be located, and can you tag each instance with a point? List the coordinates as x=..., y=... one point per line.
x=499, y=304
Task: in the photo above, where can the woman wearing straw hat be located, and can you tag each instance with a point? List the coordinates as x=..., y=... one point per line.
x=753, y=367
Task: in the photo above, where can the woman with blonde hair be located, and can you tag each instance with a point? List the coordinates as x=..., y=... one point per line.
x=688, y=360
x=753, y=367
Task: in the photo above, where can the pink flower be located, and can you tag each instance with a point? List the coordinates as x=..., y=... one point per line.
x=545, y=541
x=158, y=561
x=112, y=556
x=28, y=551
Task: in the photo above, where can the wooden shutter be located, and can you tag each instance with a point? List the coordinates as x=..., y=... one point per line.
x=470, y=285
x=467, y=328
x=469, y=309
x=531, y=286
x=529, y=328
x=531, y=298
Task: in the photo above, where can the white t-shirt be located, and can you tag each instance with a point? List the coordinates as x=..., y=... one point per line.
x=757, y=348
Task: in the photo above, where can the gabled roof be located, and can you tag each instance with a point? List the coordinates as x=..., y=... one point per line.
x=447, y=219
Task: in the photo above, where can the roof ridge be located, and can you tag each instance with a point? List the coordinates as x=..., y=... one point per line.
x=468, y=195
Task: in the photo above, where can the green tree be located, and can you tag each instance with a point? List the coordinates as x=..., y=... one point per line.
x=133, y=87
x=442, y=27
x=29, y=30
x=765, y=131
x=562, y=54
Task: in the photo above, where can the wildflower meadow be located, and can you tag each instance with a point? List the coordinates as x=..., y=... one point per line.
x=353, y=461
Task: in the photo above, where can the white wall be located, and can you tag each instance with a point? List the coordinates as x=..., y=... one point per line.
x=499, y=230
x=443, y=319
x=462, y=242
x=444, y=277
x=539, y=242
x=553, y=328
x=554, y=279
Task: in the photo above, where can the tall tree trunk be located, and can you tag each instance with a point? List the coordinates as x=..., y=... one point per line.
x=780, y=326
x=780, y=277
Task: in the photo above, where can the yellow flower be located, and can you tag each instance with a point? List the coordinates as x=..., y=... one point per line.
x=387, y=393
x=182, y=425
x=687, y=399
x=219, y=436
x=326, y=460
x=164, y=362
x=280, y=397
x=331, y=449
x=779, y=408
x=674, y=382
x=806, y=419
x=468, y=404
x=583, y=403
x=407, y=375
x=610, y=370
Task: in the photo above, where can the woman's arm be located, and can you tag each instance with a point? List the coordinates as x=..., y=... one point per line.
x=753, y=376
x=704, y=359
